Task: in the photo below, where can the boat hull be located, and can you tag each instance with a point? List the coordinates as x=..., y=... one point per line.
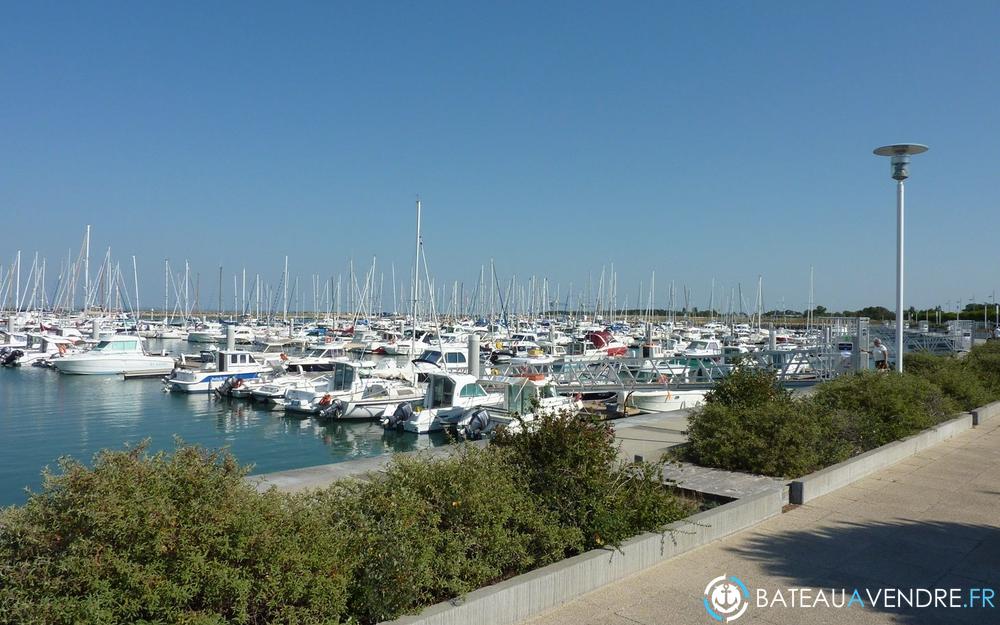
x=208, y=382
x=151, y=365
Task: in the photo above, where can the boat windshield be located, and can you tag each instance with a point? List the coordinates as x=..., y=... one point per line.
x=343, y=378
x=430, y=355
x=117, y=346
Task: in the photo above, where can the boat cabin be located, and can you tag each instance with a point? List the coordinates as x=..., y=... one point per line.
x=447, y=389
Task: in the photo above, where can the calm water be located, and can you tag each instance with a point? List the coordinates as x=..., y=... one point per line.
x=45, y=415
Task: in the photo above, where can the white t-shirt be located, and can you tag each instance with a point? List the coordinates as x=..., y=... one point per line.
x=880, y=352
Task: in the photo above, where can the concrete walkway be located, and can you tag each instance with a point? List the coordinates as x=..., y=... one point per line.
x=931, y=521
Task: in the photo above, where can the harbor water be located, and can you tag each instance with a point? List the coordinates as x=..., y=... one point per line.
x=45, y=415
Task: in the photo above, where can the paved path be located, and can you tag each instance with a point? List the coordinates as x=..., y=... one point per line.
x=932, y=520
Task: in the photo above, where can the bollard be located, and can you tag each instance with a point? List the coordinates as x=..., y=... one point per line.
x=474, y=355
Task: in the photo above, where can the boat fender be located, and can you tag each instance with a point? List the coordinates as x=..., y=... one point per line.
x=326, y=400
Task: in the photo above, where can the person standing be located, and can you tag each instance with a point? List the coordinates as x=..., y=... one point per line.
x=881, y=354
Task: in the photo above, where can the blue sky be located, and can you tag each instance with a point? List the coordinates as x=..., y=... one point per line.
x=698, y=140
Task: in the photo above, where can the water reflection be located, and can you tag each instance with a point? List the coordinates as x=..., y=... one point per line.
x=44, y=415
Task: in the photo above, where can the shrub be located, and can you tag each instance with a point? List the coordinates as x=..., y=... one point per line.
x=955, y=377
x=747, y=387
x=486, y=524
x=749, y=423
x=571, y=465
x=184, y=538
x=984, y=362
x=168, y=538
x=876, y=408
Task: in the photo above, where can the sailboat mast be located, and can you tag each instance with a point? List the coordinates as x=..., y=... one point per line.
x=416, y=282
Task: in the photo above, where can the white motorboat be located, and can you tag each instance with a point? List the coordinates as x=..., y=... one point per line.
x=447, y=356
x=526, y=398
x=661, y=400
x=377, y=398
x=42, y=349
x=343, y=383
x=228, y=364
x=210, y=332
x=448, y=396
x=115, y=354
x=274, y=390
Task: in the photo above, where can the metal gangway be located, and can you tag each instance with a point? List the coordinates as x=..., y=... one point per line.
x=794, y=368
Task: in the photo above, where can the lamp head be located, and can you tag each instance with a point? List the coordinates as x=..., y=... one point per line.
x=900, y=154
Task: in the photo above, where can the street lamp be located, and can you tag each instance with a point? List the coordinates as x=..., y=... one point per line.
x=900, y=153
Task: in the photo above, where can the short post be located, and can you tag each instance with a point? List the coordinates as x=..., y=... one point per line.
x=230, y=337
x=95, y=329
x=474, y=355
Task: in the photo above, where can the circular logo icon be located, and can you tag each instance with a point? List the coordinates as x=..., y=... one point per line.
x=726, y=598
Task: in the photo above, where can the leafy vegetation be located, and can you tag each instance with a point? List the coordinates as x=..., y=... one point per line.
x=749, y=423
x=184, y=538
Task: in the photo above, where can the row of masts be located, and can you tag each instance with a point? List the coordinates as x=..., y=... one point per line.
x=492, y=297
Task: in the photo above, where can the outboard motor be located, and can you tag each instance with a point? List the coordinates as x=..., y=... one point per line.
x=334, y=411
x=227, y=386
x=404, y=412
x=476, y=424
x=11, y=357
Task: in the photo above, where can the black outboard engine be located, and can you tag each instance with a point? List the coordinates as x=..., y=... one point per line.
x=11, y=357
x=404, y=412
x=227, y=386
x=334, y=411
x=476, y=424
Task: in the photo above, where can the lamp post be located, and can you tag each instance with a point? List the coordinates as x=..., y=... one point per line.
x=900, y=154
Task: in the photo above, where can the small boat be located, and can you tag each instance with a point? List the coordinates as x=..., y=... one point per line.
x=660, y=400
x=376, y=399
x=448, y=396
x=228, y=364
x=343, y=383
x=115, y=354
x=526, y=398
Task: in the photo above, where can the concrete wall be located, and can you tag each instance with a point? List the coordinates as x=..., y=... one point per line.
x=839, y=475
x=986, y=413
x=321, y=476
x=526, y=595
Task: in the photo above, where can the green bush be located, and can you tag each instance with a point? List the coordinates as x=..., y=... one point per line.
x=183, y=537
x=571, y=464
x=178, y=538
x=467, y=521
x=876, y=408
x=749, y=423
x=956, y=377
x=984, y=363
x=748, y=387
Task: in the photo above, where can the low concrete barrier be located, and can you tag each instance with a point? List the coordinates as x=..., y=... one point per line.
x=526, y=595
x=821, y=482
x=986, y=413
x=321, y=476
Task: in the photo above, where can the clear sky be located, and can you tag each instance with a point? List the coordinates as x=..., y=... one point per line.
x=698, y=139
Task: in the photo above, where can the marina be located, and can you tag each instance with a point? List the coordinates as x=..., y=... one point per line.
x=45, y=415
x=319, y=390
